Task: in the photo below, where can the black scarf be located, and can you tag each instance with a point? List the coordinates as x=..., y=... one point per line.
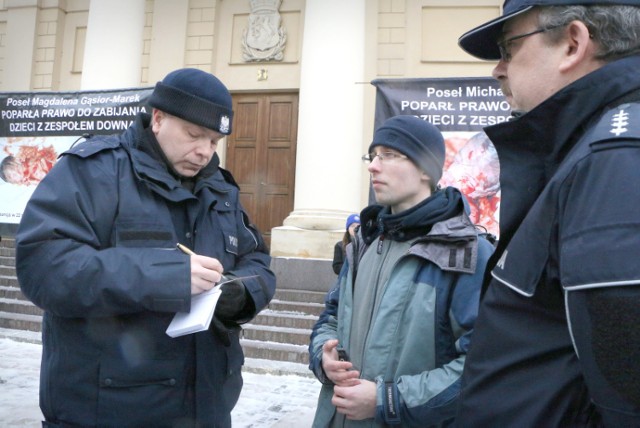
x=416, y=221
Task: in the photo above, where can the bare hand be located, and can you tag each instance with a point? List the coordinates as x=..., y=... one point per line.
x=205, y=273
x=339, y=372
x=356, y=402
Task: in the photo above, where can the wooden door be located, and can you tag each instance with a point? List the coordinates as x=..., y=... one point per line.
x=261, y=155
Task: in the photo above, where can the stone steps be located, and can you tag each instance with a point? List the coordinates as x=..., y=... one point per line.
x=18, y=321
x=286, y=352
x=310, y=308
x=275, y=341
x=9, y=281
x=267, y=333
x=7, y=258
x=11, y=292
x=19, y=306
x=8, y=271
x=285, y=319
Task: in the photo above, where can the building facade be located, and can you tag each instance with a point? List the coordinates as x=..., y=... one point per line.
x=299, y=72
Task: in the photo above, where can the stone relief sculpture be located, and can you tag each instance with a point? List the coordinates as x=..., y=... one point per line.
x=265, y=38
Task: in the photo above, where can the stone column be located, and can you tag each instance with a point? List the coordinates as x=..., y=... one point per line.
x=167, y=47
x=328, y=167
x=114, y=44
x=22, y=21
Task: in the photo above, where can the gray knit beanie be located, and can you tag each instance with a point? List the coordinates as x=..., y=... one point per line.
x=419, y=140
x=195, y=96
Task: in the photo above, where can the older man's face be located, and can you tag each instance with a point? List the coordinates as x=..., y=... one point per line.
x=530, y=73
x=187, y=146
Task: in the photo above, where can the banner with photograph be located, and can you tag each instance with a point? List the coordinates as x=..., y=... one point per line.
x=36, y=127
x=460, y=108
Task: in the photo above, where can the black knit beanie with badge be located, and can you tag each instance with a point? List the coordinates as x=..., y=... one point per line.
x=195, y=96
x=415, y=138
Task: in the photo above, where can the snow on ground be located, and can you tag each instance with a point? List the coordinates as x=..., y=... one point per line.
x=267, y=400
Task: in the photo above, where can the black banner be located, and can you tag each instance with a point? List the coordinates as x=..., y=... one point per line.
x=36, y=127
x=461, y=104
x=31, y=114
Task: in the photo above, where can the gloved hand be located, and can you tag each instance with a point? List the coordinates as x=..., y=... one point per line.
x=232, y=301
x=221, y=331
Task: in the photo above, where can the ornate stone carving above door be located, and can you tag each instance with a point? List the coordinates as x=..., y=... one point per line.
x=265, y=37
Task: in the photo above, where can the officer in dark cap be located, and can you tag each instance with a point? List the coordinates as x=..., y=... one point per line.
x=96, y=249
x=556, y=342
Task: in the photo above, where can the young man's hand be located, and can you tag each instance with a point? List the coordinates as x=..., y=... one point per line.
x=339, y=372
x=356, y=402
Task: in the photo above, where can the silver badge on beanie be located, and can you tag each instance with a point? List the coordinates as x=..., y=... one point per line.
x=224, y=124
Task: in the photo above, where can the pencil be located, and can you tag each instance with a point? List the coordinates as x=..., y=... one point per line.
x=185, y=249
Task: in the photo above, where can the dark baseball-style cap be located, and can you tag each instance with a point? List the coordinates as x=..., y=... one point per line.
x=481, y=41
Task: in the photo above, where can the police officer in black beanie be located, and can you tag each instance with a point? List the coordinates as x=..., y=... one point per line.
x=96, y=249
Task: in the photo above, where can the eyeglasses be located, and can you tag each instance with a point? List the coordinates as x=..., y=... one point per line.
x=383, y=156
x=505, y=45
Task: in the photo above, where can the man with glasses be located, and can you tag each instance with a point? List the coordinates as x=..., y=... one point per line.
x=390, y=346
x=556, y=342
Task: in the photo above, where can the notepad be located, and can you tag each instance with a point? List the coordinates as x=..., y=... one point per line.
x=199, y=317
x=202, y=307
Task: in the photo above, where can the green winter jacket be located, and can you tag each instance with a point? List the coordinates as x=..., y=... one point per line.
x=419, y=334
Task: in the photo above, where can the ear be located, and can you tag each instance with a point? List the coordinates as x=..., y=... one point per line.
x=579, y=47
x=156, y=118
x=425, y=178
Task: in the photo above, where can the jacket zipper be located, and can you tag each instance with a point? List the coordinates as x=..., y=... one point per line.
x=380, y=244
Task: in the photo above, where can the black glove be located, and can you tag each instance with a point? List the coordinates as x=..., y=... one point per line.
x=232, y=301
x=221, y=331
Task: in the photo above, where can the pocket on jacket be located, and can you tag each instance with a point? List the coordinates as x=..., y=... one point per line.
x=233, y=377
x=152, y=392
x=226, y=212
x=139, y=232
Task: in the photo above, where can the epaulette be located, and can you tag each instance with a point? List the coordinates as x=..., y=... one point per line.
x=93, y=145
x=619, y=123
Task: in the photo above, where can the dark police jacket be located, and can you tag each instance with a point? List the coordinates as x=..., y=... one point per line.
x=556, y=322
x=96, y=249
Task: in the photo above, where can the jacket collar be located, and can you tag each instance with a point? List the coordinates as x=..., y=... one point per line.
x=548, y=126
x=152, y=168
x=412, y=223
x=450, y=241
x=531, y=147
